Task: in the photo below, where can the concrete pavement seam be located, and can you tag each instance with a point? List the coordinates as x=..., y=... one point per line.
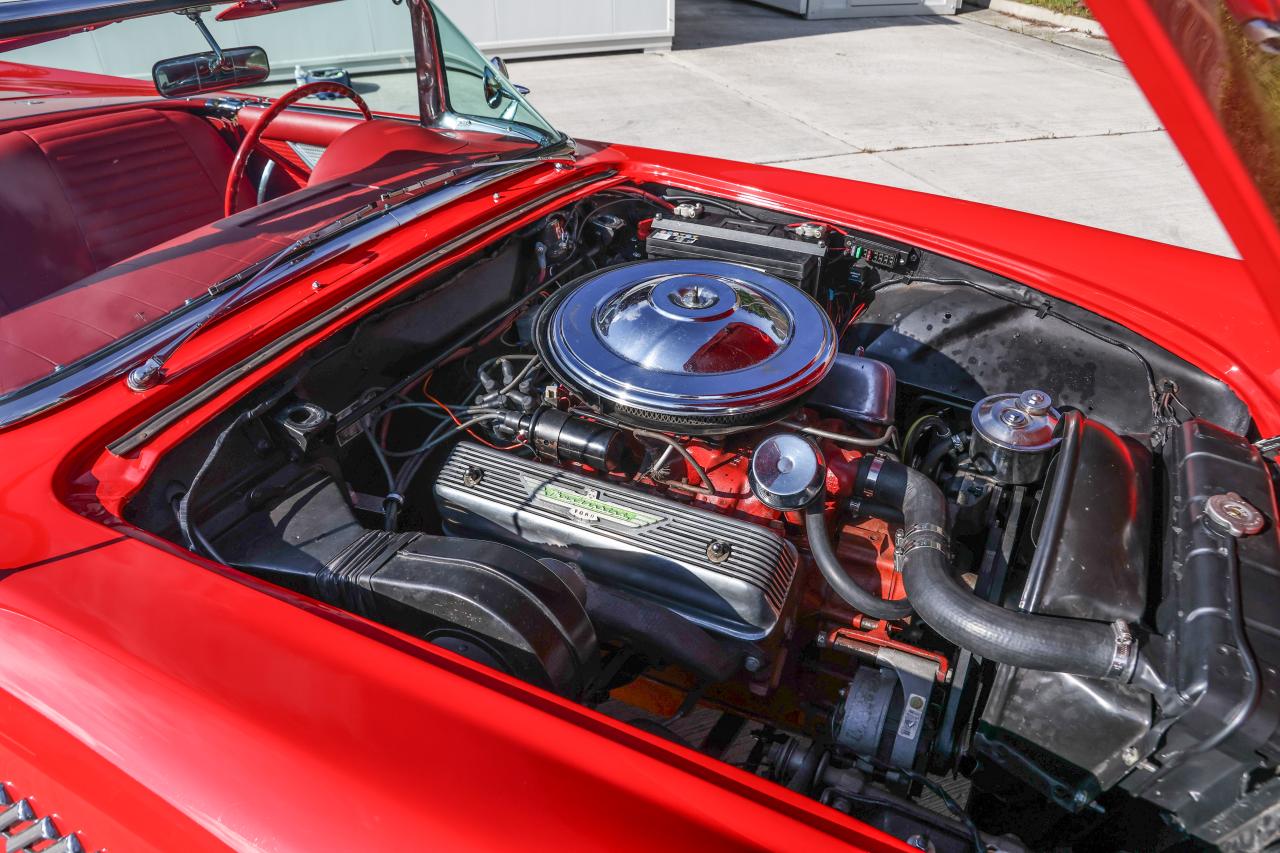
x=763, y=103
x=1042, y=138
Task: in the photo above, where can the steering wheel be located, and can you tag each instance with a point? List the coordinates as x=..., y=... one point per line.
x=251, y=138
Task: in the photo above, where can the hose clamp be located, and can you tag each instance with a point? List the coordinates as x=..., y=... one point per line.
x=873, y=474
x=1125, y=651
x=924, y=535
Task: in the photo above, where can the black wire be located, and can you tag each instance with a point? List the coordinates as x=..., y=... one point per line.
x=382, y=460
x=199, y=535
x=1146, y=365
x=955, y=808
x=587, y=217
x=184, y=505
x=1047, y=310
x=723, y=205
x=391, y=501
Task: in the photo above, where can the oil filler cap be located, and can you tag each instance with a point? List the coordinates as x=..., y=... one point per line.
x=787, y=471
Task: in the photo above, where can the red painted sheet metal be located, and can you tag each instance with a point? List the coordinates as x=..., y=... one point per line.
x=267, y=725
x=218, y=711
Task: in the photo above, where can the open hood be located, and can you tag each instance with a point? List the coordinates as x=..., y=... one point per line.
x=1211, y=71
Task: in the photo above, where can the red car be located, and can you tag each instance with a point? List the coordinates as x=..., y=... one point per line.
x=377, y=482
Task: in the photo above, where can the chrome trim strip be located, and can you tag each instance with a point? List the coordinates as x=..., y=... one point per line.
x=103, y=369
x=21, y=830
x=66, y=844
x=15, y=814
x=145, y=431
x=309, y=154
x=41, y=830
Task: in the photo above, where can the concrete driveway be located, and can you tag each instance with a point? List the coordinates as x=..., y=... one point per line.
x=978, y=106
x=957, y=106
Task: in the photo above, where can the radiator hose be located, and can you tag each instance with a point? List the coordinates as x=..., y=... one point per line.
x=1028, y=640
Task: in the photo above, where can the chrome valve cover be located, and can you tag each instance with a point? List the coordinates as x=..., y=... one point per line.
x=691, y=345
x=730, y=576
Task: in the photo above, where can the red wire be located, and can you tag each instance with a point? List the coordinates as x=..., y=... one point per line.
x=637, y=191
x=856, y=314
x=454, y=418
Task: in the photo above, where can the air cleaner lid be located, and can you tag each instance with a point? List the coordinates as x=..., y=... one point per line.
x=687, y=337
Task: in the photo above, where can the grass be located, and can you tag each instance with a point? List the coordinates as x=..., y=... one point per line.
x=1065, y=7
x=1247, y=100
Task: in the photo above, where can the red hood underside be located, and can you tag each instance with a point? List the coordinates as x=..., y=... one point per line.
x=1214, y=90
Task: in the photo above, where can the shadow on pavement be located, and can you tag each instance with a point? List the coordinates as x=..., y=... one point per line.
x=720, y=23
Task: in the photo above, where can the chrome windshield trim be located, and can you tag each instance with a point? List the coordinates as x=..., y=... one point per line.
x=28, y=17
x=144, y=432
x=72, y=381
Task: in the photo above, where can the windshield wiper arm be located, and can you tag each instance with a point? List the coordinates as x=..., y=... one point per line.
x=241, y=288
x=151, y=372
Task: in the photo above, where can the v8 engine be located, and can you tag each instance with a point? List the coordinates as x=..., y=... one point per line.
x=981, y=569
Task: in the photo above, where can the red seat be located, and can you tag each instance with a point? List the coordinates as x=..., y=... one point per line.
x=80, y=195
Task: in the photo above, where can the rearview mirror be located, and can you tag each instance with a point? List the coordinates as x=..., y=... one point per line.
x=501, y=65
x=212, y=71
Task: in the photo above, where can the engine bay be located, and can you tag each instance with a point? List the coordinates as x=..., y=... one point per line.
x=967, y=562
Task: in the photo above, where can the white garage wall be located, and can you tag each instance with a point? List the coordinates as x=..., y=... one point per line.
x=521, y=28
x=373, y=36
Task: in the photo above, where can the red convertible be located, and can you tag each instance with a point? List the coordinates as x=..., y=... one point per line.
x=378, y=482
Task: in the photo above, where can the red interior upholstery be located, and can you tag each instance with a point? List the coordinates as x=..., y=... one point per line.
x=108, y=223
x=109, y=304
x=78, y=196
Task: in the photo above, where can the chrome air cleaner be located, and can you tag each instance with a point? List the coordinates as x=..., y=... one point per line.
x=686, y=345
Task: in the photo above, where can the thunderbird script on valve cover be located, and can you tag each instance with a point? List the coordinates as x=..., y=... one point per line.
x=515, y=490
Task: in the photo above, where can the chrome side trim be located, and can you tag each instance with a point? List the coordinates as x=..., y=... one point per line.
x=73, y=380
x=144, y=432
x=309, y=154
x=21, y=830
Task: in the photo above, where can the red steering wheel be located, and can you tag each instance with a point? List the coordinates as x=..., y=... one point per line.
x=251, y=138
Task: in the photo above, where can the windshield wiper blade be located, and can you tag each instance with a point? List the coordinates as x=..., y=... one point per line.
x=409, y=190
x=239, y=289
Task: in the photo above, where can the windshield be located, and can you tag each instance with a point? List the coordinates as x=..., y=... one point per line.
x=479, y=90
x=114, y=223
